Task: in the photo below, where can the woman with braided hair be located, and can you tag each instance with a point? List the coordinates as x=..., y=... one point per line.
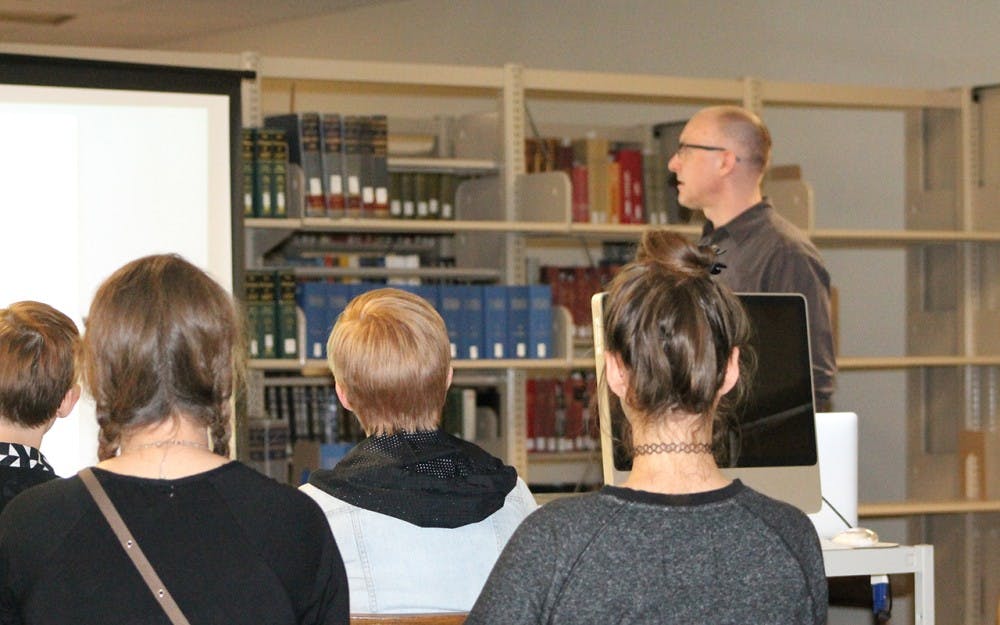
x=678, y=542
x=162, y=358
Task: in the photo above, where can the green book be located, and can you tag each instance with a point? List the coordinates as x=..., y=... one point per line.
x=287, y=318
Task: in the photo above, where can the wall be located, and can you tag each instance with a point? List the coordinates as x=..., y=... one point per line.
x=848, y=155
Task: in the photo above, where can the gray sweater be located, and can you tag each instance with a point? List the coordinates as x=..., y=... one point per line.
x=625, y=556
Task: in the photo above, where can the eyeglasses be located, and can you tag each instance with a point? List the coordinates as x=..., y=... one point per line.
x=708, y=148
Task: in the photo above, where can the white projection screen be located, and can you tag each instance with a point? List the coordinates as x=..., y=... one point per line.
x=95, y=175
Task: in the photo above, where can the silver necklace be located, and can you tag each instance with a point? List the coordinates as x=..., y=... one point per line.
x=168, y=442
x=164, y=445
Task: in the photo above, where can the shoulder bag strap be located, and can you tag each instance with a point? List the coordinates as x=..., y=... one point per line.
x=131, y=547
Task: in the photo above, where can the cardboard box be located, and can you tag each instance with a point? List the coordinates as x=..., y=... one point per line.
x=979, y=455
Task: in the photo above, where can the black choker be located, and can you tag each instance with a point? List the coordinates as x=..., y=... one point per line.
x=671, y=448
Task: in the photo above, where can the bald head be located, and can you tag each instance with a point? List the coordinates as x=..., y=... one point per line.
x=746, y=130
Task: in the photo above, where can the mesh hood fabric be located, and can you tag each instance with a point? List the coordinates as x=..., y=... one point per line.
x=427, y=478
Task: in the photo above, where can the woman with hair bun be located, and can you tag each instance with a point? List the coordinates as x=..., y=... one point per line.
x=678, y=542
x=162, y=357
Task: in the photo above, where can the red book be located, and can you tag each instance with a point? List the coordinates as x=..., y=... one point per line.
x=631, y=205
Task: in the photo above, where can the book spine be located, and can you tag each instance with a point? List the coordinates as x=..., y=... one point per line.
x=288, y=327
x=421, y=195
x=333, y=164
x=279, y=175
x=540, y=321
x=264, y=147
x=631, y=184
x=312, y=300
x=312, y=164
x=366, y=150
x=247, y=138
x=351, y=150
x=471, y=331
x=268, y=316
x=517, y=321
x=395, y=197
x=252, y=289
x=407, y=195
x=447, y=185
x=495, y=321
x=451, y=311
x=380, y=165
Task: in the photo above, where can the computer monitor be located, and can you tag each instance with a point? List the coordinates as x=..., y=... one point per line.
x=775, y=442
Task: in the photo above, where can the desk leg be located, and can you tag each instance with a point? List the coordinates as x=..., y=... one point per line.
x=923, y=585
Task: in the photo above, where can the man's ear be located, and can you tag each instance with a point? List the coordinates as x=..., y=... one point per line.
x=69, y=401
x=616, y=374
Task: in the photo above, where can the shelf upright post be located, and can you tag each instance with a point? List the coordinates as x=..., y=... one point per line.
x=751, y=95
x=250, y=96
x=515, y=428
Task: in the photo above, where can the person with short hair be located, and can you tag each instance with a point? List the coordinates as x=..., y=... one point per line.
x=163, y=355
x=38, y=350
x=720, y=163
x=678, y=542
x=420, y=515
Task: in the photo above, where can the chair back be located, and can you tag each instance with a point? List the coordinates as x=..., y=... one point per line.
x=436, y=618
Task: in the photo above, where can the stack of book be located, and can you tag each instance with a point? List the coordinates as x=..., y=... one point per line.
x=265, y=173
x=344, y=160
x=484, y=322
x=559, y=418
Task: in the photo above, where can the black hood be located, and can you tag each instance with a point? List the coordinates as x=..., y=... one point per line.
x=429, y=479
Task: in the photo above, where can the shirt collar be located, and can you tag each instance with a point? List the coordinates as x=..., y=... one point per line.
x=16, y=455
x=741, y=227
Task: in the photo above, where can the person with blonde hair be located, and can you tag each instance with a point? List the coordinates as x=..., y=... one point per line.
x=39, y=346
x=420, y=515
x=162, y=357
x=678, y=542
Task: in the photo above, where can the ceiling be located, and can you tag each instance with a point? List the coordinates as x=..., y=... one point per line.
x=146, y=23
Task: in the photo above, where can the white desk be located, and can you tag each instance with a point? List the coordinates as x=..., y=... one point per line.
x=916, y=559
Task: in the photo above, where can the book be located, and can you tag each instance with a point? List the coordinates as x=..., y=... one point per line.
x=407, y=195
x=592, y=153
x=495, y=321
x=630, y=182
x=421, y=196
x=450, y=309
x=302, y=131
x=333, y=164
x=279, y=175
x=287, y=313
x=447, y=185
x=395, y=198
x=351, y=148
x=539, y=321
x=248, y=166
x=366, y=152
x=312, y=299
x=263, y=171
x=470, y=331
x=380, y=163
x=252, y=299
x=517, y=321
x=267, y=327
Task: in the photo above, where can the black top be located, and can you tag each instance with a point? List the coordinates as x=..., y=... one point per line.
x=231, y=545
x=765, y=253
x=21, y=467
x=427, y=478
